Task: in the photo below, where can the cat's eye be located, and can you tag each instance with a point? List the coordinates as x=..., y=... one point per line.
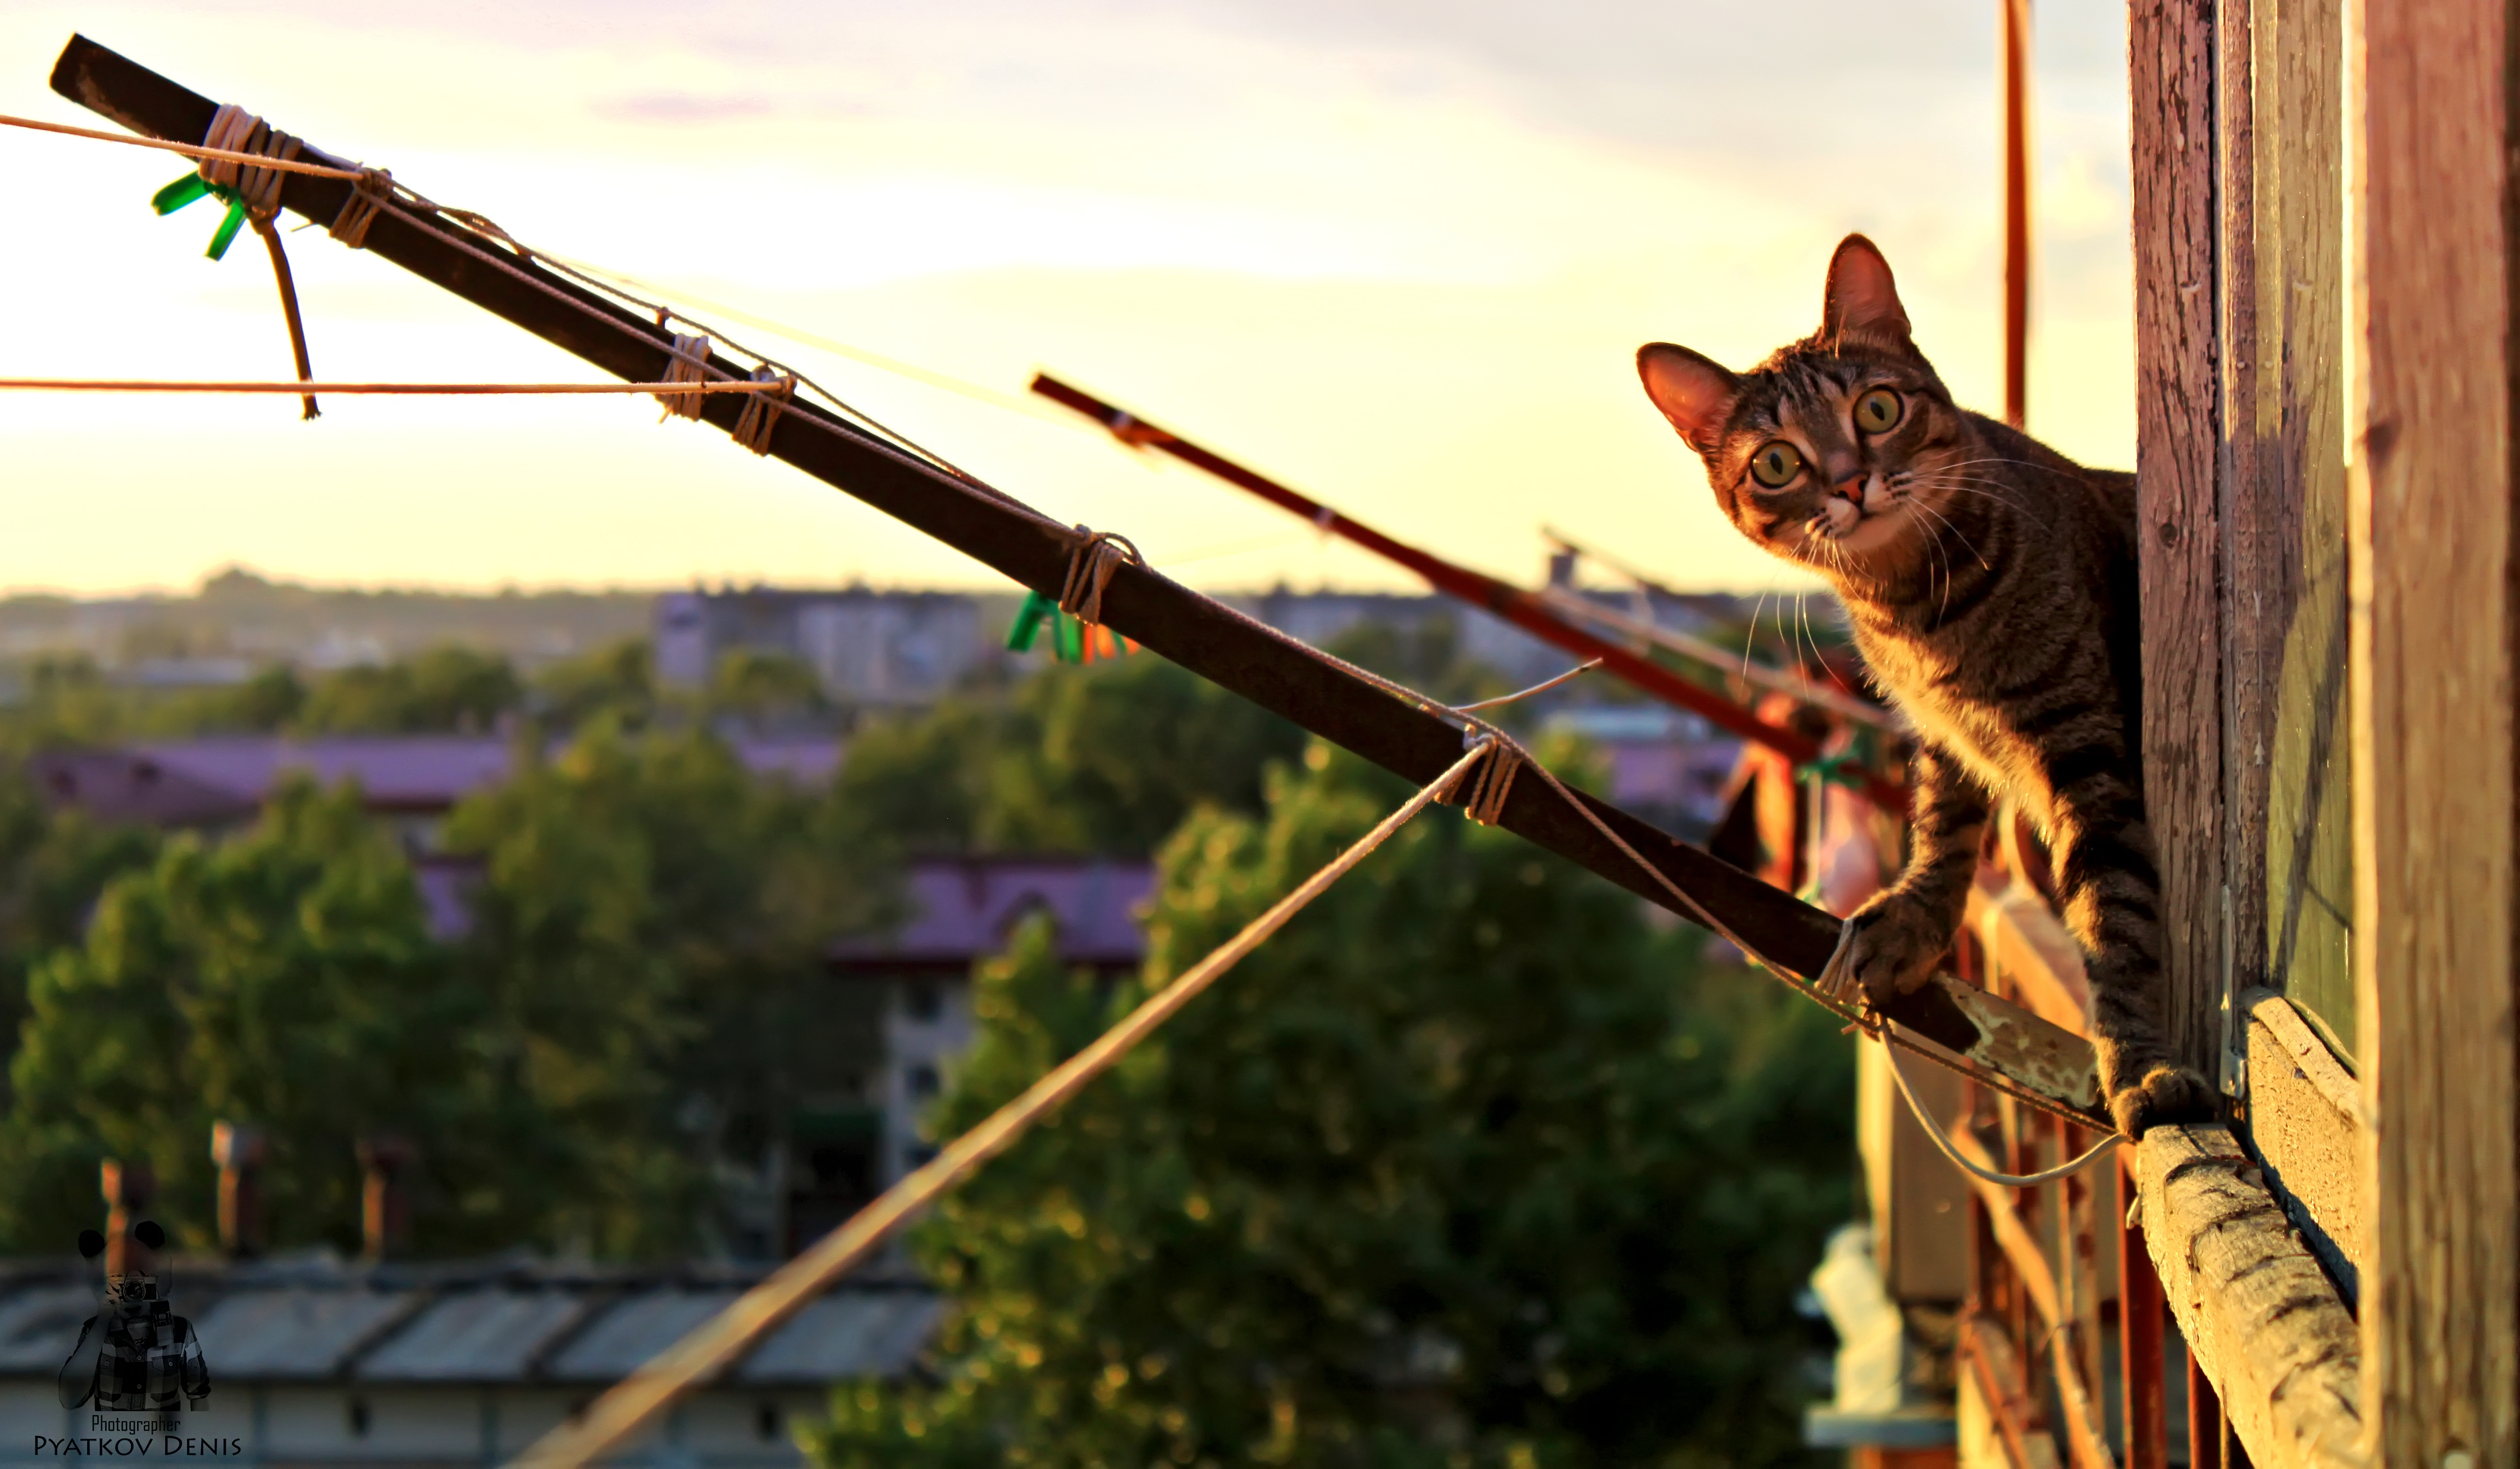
x=1878, y=411
x=1776, y=463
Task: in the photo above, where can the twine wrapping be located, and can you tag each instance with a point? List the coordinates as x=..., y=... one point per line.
x=235, y=130
x=761, y=409
x=368, y=200
x=688, y=364
x=1482, y=793
x=1091, y=565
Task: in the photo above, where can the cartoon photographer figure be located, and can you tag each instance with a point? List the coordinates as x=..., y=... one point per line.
x=136, y=1355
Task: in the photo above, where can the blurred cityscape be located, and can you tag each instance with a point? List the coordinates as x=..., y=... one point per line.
x=218, y=717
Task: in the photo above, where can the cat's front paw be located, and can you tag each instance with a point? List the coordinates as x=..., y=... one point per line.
x=2165, y=1094
x=1892, y=946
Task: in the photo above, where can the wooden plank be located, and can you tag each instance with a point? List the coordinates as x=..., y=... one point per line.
x=2259, y=1314
x=1995, y=1370
x=1919, y=1204
x=2286, y=753
x=1265, y=666
x=2172, y=86
x=2432, y=530
x=2249, y=510
x=2305, y=1126
x=2028, y=947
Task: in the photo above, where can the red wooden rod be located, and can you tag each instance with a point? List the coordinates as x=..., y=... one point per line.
x=1478, y=589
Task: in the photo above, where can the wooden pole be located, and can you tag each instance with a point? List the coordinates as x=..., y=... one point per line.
x=2433, y=548
x=2016, y=211
x=1509, y=602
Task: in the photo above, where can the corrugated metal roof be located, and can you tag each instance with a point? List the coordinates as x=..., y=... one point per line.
x=38, y=1327
x=475, y=1336
x=505, y=1321
x=632, y=1330
x=865, y=1334
x=295, y=1331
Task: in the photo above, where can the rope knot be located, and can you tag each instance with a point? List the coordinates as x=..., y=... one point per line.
x=687, y=364
x=368, y=198
x=1092, y=562
x=1481, y=790
x=233, y=129
x=762, y=406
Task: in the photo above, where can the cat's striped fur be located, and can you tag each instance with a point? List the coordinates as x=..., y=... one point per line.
x=1991, y=585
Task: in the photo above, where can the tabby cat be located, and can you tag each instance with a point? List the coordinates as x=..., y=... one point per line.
x=1991, y=585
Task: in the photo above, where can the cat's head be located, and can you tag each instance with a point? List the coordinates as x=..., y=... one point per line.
x=1839, y=450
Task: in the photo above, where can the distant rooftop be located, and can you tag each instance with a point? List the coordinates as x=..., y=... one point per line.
x=962, y=909
x=478, y=1324
x=214, y=780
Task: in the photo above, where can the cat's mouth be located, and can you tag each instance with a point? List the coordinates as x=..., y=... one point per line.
x=1847, y=525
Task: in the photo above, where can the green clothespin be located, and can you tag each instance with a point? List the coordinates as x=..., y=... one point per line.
x=1028, y=620
x=1071, y=642
x=192, y=185
x=1845, y=768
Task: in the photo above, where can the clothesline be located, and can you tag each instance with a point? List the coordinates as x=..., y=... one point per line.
x=386, y=390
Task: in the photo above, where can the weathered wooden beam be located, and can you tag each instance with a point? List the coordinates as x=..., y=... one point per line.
x=2304, y=1124
x=2258, y=1314
x=1259, y=663
x=1527, y=611
x=2435, y=659
x=2170, y=43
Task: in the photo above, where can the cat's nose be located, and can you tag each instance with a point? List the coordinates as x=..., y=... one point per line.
x=1851, y=488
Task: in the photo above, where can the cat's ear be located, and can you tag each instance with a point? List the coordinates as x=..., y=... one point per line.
x=1861, y=298
x=1692, y=390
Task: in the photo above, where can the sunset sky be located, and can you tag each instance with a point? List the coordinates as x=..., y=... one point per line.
x=1397, y=251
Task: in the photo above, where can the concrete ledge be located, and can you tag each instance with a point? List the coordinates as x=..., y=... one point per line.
x=2261, y=1316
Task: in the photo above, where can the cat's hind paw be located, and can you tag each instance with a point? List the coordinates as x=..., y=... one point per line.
x=2166, y=1095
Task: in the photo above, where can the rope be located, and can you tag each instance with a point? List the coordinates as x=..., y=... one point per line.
x=684, y=389
x=188, y=150
x=761, y=410
x=1091, y=564
x=254, y=192
x=689, y=366
x=630, y=1405
x=1836, y=979
x=1969, y=1164
x=1578, y=671
x=1484, y=802
x=382, y=194
x=368, y=198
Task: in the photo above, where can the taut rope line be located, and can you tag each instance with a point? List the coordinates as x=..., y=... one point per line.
x=685, y=388
x=628, y=1407
x=188, y=150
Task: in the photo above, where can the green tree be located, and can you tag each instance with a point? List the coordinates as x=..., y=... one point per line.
x=53, y=864
x=650, y=925
x=446, y=689
x=1107, y=759
x=766, y=691
x=1467, y=1166
x=616, y=682
x=285, y=978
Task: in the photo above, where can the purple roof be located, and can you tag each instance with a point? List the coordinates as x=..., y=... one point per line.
x=964, y=908
x=214, y=780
